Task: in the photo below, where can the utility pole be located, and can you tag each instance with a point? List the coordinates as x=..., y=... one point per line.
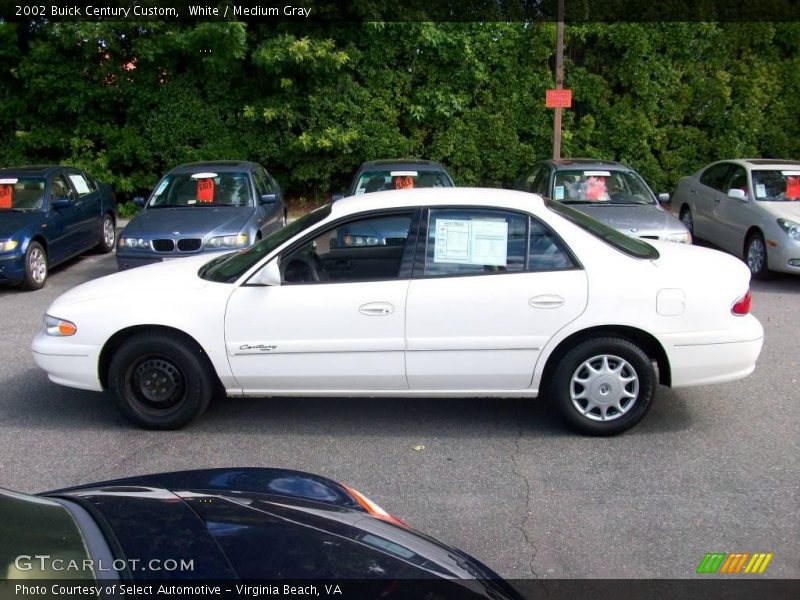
x=559, y=79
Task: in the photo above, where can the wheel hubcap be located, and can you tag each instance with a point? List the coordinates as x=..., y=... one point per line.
x=108, y=233
x=755, y=255
x=686, y=219
x=604, y=388
x=37, y=265
x=157, y=384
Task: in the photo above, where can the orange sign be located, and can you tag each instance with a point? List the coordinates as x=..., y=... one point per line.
x=558, y=98
x=5, y=195
x=793, y=187
x=205, y=190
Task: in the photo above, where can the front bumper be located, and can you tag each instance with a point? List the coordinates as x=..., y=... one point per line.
x=140, y=259
x=12, y=268
x=785, y=257
x=66, y=363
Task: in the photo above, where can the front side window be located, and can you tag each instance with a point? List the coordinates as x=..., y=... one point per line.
x=777, y=185
x=59, y=189
x=193, y=190
x=475, y=241
x=21, y=193
x=367, y=249
x=399, y=179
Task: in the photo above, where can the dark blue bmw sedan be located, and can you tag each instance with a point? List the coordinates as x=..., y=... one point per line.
x=203, y=207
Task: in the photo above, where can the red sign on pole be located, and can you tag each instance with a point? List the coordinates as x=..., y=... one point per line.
x=558, y=98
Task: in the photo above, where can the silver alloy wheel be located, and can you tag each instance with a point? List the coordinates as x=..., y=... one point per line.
x=108, y=232
x=604, y=387
x=755, y=254
x=37, y=265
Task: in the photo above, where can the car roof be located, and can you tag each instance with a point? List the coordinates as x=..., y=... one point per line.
x=402, y=163
x=442, y=196
x=586, y=163
x=32, y=170
x=224, y=166
x=767, y=162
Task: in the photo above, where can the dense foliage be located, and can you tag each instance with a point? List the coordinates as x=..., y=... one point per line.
x=128, y=100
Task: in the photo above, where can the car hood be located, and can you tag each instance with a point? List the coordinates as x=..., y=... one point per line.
x=633, y=218
x=12, y=221
x=783, y=210
x=189, y=222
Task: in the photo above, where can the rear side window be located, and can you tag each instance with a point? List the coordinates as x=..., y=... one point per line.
x=715, y=176
x=545, y=252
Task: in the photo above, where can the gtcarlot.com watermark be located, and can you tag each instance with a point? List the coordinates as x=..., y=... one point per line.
x=45, y=562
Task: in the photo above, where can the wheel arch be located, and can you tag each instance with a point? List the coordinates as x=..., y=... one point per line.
x=646, y=341
x=753, y=230
x=120, y=337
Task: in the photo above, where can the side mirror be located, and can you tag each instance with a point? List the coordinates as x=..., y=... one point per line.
x=269, y=198
x=737, y=194
x=663, y=198
x=60, y=203
x=270, y=274
x=138, y=201
x=336, y=197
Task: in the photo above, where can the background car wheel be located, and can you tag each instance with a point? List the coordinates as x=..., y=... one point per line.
x=284, y=219
x=108, y=235
x=687, y=219
x=755, y=255
x=35, y=267
x=160, y=382
x=604, y=386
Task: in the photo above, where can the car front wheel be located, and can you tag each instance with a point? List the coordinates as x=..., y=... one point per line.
x=604, y=386
x=35, y=267
x=755, y=255
x=160, y=382
x=687, y=219
x=107, y=235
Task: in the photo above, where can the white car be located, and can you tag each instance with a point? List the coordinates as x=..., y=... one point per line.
x=475, y=292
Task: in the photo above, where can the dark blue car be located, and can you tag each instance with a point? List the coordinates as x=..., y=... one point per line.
x=203, y=207
x=48, y=214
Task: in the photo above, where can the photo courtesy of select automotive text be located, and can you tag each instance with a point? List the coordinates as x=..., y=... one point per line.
x=399, y=299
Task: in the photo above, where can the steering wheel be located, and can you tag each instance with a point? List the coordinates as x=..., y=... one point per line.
x=304, y=267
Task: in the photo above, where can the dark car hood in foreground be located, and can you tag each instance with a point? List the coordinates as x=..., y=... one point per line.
x=12, y=221
x=196, y=221
x=632, y=218
x=262, y=524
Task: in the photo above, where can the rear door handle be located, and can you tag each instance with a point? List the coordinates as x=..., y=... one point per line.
x=546, y=301
x=376, y=309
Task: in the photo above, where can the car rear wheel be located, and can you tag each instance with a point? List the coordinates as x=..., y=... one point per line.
x=108, y=235
x=687, y=219
x=604, y=386
x=160, y=382
x=755, y=255
x=35, y=267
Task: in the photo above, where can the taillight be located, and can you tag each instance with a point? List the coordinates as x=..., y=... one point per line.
x=742, y=305
x=375, y=510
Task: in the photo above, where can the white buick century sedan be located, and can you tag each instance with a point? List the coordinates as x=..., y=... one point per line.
x=457, y=292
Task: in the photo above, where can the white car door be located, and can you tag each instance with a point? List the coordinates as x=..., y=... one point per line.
x=484, y=300
x=337, y=321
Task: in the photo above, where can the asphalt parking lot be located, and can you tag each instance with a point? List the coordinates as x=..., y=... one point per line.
x=713, y=469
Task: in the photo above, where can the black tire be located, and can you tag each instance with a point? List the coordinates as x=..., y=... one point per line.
x=36, y=270
x=108, y=237
x=622, y=356
x=755, y=256
x=180, y=369
x=687, y=219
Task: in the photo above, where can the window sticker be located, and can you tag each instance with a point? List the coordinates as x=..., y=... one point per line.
x=790, y=173
x=6, y=192
x=205, y=190
x=597, y=174
x=403, y=173
x=8, y=181
x=761, y=190
x=80, y=184
x=204, y=175
x=470, y=242
x=793, y=187
x=558, y=193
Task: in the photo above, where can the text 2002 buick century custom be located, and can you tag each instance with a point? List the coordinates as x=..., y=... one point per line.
x=489, y=293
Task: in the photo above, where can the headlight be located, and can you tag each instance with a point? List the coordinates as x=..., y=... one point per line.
x=129, y=242
x=228, y=241
x=791, y=228
x=681, y=238
x=59, y=327
x=8, y=245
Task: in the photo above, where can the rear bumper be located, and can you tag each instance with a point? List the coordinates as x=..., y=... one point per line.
x=72, y=365
x=714, y=357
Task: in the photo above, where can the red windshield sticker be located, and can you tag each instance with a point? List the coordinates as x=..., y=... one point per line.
x=5, y=195
x=793, y=187
x=205, y=190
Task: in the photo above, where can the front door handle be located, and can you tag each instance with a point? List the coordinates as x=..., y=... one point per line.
x=546, y=301
x=376, y=309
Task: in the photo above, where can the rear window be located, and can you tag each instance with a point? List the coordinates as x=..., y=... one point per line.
x=399, y=179
x=630, y=246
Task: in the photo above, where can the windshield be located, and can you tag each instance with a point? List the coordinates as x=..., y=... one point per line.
x=630, y=246
x=585, y=186
x=776, y=185
x=229, y=268
x=203, y=189
x=21, y=193
x=399, y=179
